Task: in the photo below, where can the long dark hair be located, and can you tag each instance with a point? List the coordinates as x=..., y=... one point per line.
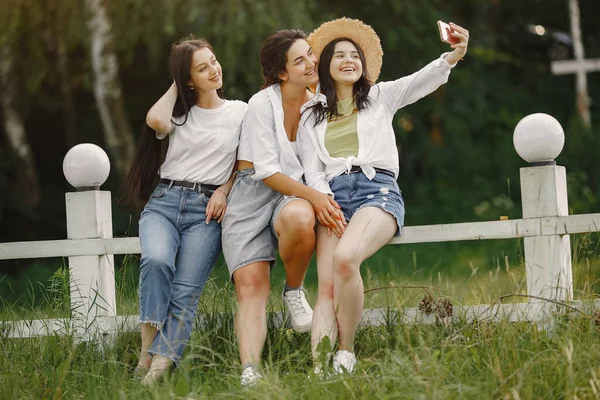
x=360, y=90
x=150, y=153
x=273, y=54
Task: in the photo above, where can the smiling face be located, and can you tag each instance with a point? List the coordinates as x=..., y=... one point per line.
x=205, y=71
x=301, y=65
x=345, y=67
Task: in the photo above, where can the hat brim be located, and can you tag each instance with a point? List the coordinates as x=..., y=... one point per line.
x=359, y=32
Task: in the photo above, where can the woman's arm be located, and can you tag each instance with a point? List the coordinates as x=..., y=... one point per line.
x=259, y=123
x=326, y=209
x=314, y=173
x=409, y=89
x=314, y=169
x=159, y=115
x=218, y=201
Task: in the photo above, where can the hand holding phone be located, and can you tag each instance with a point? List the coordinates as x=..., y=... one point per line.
x=445, y=33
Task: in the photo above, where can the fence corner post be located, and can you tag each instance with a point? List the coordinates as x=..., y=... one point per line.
x=89, y=215
x=539, y=139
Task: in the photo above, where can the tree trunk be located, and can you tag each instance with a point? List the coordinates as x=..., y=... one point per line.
x=27, y=182
x=62, y=62
x=107, y=88
x=57, y=14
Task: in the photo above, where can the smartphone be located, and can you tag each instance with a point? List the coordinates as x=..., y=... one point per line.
x=445, y=31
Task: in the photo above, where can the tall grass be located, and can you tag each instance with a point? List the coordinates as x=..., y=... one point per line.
x=481, y=360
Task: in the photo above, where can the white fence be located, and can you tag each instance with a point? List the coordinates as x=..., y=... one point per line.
x=545, y=229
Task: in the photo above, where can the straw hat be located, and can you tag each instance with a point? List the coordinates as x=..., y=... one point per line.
x=361, y=33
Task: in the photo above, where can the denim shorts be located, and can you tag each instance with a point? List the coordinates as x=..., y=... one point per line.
x=355, y=191
x=248, y=234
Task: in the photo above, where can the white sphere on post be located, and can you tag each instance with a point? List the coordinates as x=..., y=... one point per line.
x=86, y=166
x=539, y=139
x=89, y=216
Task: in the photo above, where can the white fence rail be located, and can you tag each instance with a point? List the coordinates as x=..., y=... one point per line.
x=545, y=229
x=519, y=228
x=508, y=229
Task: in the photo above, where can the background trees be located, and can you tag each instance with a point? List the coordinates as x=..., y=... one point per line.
x=73, y=72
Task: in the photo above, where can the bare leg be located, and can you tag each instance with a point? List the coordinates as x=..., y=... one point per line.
x=324, y=321
x=295, y=227
x=252, y=287
x=369, y=229
x=149, y=332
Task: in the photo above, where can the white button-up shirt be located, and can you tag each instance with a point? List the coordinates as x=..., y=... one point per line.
x=264, y=141
x=376, y=138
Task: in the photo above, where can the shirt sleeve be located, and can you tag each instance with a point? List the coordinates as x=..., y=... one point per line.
x=259, y=126
x=409, y=89
x=314, y=169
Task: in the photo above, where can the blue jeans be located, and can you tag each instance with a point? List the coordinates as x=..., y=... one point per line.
x=179, y=251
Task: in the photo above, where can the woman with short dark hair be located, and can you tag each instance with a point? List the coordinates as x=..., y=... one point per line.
x=269, y=202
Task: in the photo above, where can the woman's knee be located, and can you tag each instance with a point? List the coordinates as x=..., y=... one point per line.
x=298, y=219
x=345, y=267
x=157, y=262
x=250, y=287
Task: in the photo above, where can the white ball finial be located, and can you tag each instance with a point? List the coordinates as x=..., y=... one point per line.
x=539, y=138
x=86, y=166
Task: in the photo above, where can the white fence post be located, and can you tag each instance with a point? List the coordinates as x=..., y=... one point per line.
x=89, y=215
x=538, y=139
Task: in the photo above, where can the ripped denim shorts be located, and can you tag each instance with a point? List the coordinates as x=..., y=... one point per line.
x=355, y=191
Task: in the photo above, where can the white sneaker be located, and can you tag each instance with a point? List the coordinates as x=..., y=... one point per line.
x=250, y=376
x=344, y=361
x=298, y=309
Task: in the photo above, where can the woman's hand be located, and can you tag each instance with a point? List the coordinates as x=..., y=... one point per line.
x=460, y=48
x=328, y=212
x=216, y=206
x=341, y=224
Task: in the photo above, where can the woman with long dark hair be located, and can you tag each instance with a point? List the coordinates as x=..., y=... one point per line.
x=180, y=231
x=269, y=201
x=348, y=149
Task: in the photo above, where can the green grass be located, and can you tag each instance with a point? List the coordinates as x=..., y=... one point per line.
x=495, y=360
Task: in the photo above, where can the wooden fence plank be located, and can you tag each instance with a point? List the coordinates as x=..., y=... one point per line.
x=516, y=228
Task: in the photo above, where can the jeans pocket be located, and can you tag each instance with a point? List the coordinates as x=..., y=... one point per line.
x=159, y=191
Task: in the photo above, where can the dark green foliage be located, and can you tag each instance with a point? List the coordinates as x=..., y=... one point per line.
x=456, y=155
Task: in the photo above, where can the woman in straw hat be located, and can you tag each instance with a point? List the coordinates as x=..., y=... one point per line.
x=348, y=150
x=269, y=201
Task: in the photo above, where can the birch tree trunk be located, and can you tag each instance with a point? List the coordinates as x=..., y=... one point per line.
x=27, y=182
x=107, y=88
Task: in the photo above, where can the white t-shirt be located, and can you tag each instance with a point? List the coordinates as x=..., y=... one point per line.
x=204, y=148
